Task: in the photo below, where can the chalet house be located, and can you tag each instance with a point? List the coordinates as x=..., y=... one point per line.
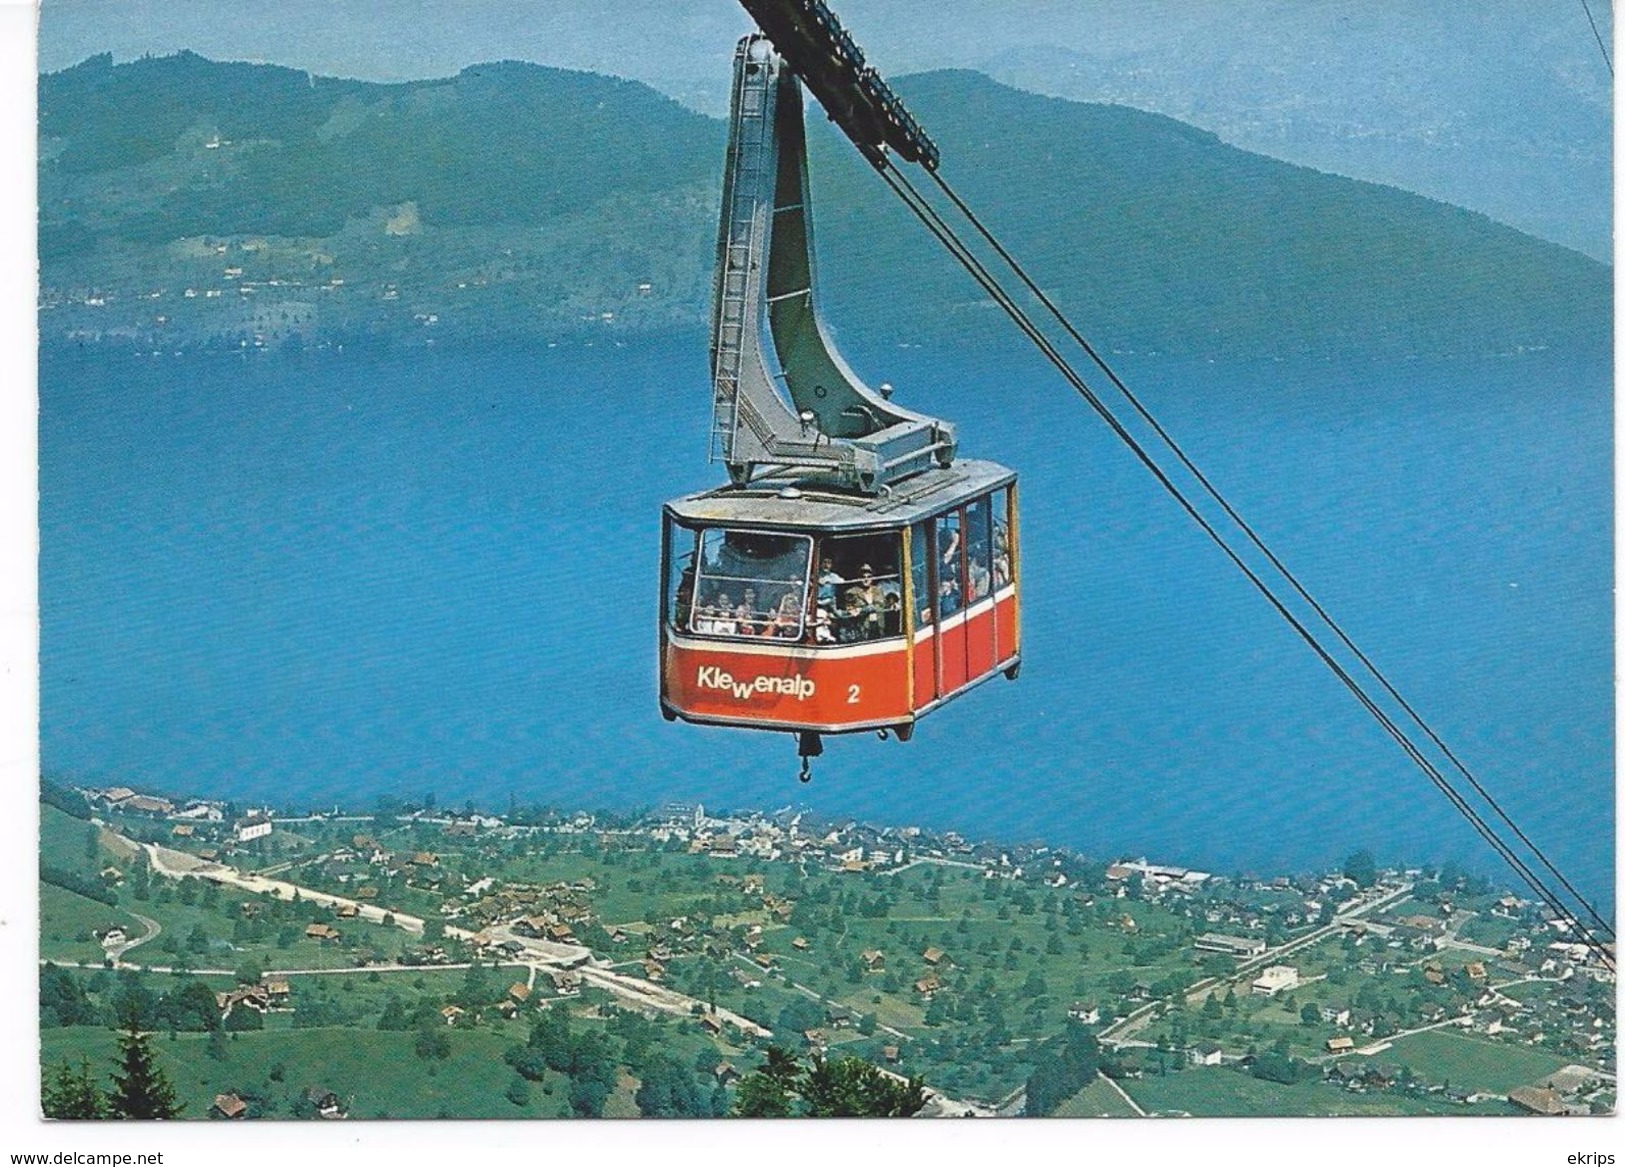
x=1205, y=1055
x=451, y=1013
x=255, y=997
x=1427, y=925
x=1342, y=1074
x=143, y=804
x=1379, y=1077
x=1539, y=1100
x=325, y=1102
x=183, y=830
x=348, y=911
x=532, y=926
x=654, y=970
x=278, y=992
x=561, y=933
x=1085, y=1012
x=518, y=992
x=725, y=1073
x=815, y=1040
x=927, y=984
x=873, y=959
x=711, y=1024
x=799, y=944
x=933, y=956
x=323, y=932
x=1339, y=1045
x=229, y=1106
x=891, y=1054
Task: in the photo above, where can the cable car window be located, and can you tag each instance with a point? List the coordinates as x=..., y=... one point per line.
x=978, y=550
x=919, y=550
x=860, y=588
x=948, y=552
x=750, y=583
x=1002, y=570
x=679, y=594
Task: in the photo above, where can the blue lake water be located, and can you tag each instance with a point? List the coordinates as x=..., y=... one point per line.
x=315, y=578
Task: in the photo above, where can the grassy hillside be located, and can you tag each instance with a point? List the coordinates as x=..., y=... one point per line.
x=1157, y=236
x=187, y=202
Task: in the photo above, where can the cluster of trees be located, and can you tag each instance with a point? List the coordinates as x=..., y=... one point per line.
x=587, y=1058
x=64, y=798
x=139, y=1088
x=843, y=1088
x=1064, y=1065
x=77, y=882
x=189, y=1006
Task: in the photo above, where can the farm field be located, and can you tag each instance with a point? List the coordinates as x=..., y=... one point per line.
x=1495, y=1066
x=1217, y=1092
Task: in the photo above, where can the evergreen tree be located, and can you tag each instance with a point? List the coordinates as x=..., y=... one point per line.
x=141, y=1089
x=71, y=1093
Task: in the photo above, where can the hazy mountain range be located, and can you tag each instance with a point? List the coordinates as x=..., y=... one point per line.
x=186, y=201
x=1501, y=106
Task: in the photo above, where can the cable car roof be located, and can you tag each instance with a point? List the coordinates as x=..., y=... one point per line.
x=769, y=502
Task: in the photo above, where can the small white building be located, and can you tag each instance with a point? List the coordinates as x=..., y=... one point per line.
x=255, y=826
x=1277, y=978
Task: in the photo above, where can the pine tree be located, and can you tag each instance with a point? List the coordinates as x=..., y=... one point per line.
x=140, y=1088
x=72, y=1093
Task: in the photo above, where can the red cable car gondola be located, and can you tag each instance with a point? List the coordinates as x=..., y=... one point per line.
x=853, y=575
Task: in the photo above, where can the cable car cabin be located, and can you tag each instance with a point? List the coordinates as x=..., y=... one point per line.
x=826, y=612
x=854, y=575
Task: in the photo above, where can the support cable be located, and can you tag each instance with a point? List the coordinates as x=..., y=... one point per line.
x=932, y=220
x=1258, y=542
x=1601, y=46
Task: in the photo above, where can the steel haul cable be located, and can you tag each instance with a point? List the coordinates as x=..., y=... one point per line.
x=1292, y=580
x=933, y=221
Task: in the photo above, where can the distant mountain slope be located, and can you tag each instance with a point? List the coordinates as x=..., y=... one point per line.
x=1498, y=105
x=186, y=202
x=1159, y=236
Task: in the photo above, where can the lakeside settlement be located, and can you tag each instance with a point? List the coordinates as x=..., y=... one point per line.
x=413, y=962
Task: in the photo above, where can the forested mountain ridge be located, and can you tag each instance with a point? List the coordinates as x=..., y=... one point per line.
x=189, y=202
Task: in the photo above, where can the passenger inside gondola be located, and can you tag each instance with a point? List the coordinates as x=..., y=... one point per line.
x=785, y=622
x=763, y=569
x=856, y=574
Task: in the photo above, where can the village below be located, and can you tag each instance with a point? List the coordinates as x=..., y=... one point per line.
x=410, y=962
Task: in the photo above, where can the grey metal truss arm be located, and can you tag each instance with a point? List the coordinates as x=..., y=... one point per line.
x=783, y=398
